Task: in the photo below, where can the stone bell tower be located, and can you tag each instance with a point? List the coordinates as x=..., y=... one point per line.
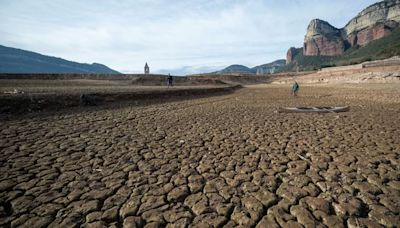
x=146, y=69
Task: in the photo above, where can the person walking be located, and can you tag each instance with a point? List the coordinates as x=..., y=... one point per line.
x=295, y=89
x=170, y=80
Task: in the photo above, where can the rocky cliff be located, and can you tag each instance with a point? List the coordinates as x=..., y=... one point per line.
x=323, y=39
x=381, y=12
x=291, y=54
x=374, y=22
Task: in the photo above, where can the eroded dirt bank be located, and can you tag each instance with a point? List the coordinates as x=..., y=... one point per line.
x=56, y=100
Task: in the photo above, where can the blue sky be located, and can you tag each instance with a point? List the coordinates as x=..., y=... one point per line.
x=182, y=36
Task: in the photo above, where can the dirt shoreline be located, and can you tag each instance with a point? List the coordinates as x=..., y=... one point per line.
x=20, y=104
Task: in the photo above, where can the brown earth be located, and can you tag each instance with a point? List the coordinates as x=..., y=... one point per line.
x=353, y=74
x=26, y=93
x=128, y=79
x=220, y=161
x=22, y=96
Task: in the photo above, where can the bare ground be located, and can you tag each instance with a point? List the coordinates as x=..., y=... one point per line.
x=222, y=161
x=341, y=75
x=22, y=96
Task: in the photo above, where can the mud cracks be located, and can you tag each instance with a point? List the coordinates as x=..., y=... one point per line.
x=222, y=161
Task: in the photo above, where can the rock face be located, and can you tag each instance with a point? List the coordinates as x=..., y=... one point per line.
x=384, y=11
x=291, y=53
x=375, y=22
x=377, y=31
x=323, y=39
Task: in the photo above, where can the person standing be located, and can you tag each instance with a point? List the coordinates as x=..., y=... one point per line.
x=295, y=88
x=170, y=80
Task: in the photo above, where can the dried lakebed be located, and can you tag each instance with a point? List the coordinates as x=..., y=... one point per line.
x=224, y=161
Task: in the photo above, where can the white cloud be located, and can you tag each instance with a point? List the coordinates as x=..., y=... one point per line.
x=166, y=34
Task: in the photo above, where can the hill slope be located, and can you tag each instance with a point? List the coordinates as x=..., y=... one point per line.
x=14, y=60
x=237, y=69
x=385, y=47
x=270, y=68
x=267, y=68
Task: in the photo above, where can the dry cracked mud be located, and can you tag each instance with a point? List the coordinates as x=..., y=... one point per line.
x=227, y=161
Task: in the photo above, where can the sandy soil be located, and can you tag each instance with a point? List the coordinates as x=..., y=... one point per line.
x=219, y=161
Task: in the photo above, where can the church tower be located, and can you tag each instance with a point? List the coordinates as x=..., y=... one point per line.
x=146, y=69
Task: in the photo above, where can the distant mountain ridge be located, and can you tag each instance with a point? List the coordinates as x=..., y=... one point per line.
x=237, y=69
x=13, y=60
x=268, y=68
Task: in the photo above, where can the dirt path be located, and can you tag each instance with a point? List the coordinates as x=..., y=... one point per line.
x=220, y=161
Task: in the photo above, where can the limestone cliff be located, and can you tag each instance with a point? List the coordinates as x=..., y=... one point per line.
x=323, y=39
x=381, y=12
x=291, y=54
x=374, y=22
